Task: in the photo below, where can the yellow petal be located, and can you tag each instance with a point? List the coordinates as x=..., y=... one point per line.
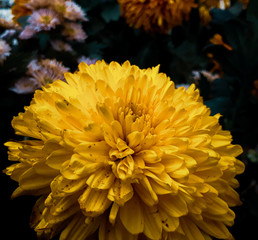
x=220, y=141
x=180, y=173
x=94, y=202
x=174, y=205
x=191, y=231
x=61, y=186
x=106, y=231
x=169, y=223
x=214, y=228
x=113, y=213
x=131, y=216
x=210, y=175
x=145, y=192
x=120, y=192
x=78, y=230
x=216, y=206
x=152, y=222
x=77, y=168
x=121, y=233
x=148, y=156
x=134, y=139
x=57, y=158
x=93, y=151
x=105, y=112
x=31, y=180
x=101, y=179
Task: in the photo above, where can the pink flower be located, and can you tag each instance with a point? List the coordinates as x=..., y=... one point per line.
x=74, y=12
x=43, y=19
x=87, y=60
x=46, y=71
x=39, y=74
x=74, y=31
x=25, y=85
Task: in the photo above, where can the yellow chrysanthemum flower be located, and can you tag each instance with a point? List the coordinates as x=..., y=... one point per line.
x=156, y=16
x=119, y=150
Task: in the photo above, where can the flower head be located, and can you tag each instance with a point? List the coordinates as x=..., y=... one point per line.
x=39, y=74
x=43, y=19
x=46, y=71
x=25, y=85
x=74, y=31
x=156, y=16
x=4, y=50
x=119, y=150
x=74, y=12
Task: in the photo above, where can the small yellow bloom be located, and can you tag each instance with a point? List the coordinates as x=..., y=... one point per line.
x=156, y=16
x=119, y=150
x=217, y=40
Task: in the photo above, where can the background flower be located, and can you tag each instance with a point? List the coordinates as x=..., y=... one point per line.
x=120, y=151
x=156, y=16
x=39, y=74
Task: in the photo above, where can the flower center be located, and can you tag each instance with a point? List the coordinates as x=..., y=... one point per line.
x=45, y=19
x=126, y=135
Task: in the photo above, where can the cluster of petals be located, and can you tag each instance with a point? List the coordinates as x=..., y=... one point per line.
x=120, y=152
x=47, y=14
x=39, y=74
